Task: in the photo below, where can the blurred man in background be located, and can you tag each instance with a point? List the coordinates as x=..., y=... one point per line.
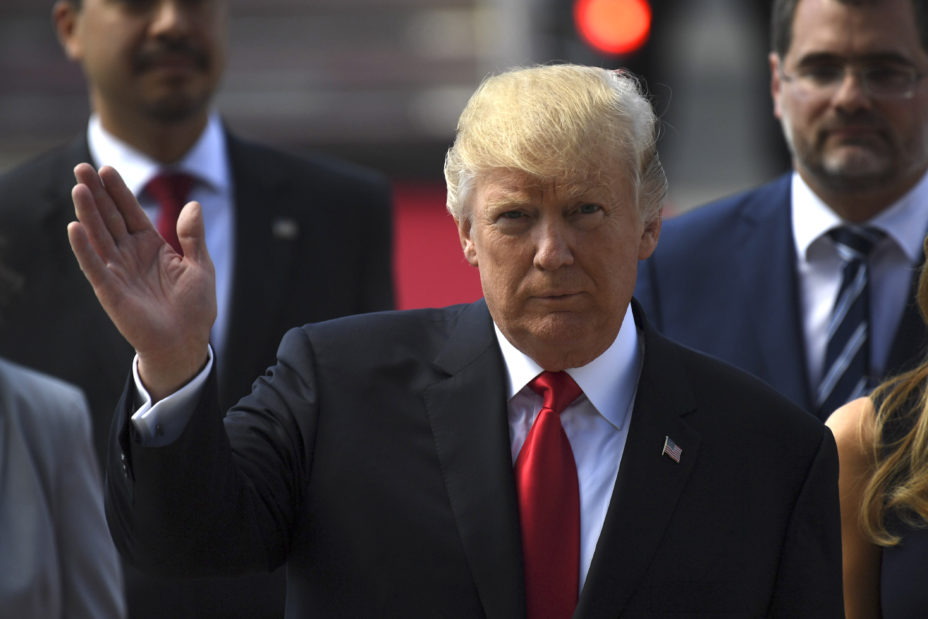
x=294, y=240
x=808, y=282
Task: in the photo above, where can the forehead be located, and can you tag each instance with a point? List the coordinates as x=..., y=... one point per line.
x=498, y=184
x=131, y=7
x=874, y=29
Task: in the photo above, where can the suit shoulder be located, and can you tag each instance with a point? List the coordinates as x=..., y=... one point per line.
x=714, y=219
x=387, y=329
x=742, y=399
x=37, y=188
x=375, y=339
x=37, y=168
x=39, y=399
x=308, y=167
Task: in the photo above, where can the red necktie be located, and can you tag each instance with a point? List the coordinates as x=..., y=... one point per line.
x=170, y=189
x=549, y=504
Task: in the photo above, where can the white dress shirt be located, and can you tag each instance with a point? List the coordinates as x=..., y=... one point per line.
x=819, y=269
x=208, y=163
x=596, y=424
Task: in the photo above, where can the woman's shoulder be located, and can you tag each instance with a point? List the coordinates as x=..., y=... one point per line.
x=853, y=427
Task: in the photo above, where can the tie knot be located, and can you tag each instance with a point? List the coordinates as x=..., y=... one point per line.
x=557, y=390
x=855, y=242
x=170, y=189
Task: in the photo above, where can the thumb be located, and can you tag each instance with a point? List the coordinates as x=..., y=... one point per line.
x=191, y=232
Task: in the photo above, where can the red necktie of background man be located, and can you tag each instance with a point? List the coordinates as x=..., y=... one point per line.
x=549, y=504
x=170, y=189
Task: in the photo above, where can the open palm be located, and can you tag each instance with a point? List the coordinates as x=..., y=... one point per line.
x=163, y=303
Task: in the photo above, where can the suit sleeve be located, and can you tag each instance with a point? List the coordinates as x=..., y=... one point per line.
x=808, y=582
x=221, y=498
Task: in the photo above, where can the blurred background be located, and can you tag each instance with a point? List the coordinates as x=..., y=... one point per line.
x=381, y=83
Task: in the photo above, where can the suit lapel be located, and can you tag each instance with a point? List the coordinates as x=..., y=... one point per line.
x=112, y=352
x=60, y=185
x=259, y=266
x=467, y=411
x=648, y=485
x=763, y=236
x=908, y=346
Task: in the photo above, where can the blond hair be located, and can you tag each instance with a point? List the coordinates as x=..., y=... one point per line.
x=900, y=481
x=562, y=122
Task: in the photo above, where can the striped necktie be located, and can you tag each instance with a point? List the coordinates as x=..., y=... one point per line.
x=846, y=371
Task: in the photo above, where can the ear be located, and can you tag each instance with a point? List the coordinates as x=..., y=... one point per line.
x=650, y=235
x=776, y=83
x=467, y=242
x=64, y=19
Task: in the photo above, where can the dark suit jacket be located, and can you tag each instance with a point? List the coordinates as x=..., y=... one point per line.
x=723, y=281
x=313, y=242
x=374, y=459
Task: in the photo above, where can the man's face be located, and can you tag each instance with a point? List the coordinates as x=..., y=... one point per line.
x=159, y=60
x=557, y=261
x=844, y=138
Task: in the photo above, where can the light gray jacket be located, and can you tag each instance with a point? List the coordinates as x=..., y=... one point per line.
x=56, y=555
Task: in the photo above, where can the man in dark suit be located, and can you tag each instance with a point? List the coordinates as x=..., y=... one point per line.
x=757, y=279
x=293, y=239
x=541, y=452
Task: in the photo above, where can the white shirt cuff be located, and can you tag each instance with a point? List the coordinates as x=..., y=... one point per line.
x=160, y=424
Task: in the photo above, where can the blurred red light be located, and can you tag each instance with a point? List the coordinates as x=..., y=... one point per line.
x=613, y=26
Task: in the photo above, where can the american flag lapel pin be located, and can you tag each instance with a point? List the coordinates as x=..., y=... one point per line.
x=671, y=450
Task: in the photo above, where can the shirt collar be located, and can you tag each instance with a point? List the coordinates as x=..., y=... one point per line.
x=206, y=160
x=609, y=382
x=905, y=221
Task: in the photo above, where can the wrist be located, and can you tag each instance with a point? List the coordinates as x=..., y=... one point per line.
x=163, y=374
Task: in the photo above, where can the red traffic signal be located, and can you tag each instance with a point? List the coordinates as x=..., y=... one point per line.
x=613, y=26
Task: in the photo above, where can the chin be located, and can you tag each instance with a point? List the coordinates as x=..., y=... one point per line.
x=177, y=108
x=558, y=347
x=858, y=177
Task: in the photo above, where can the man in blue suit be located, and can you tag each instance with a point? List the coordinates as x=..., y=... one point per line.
x=753, y=279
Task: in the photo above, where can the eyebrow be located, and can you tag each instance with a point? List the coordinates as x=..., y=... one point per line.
x=506, y=199
x=872, y=58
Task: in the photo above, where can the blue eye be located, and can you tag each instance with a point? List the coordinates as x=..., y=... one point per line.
x=512, y=215
x=588, y=209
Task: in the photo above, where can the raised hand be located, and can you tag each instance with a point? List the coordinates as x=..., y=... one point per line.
x=163, y=303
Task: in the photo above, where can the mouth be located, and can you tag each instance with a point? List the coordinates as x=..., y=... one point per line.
x=557, y=297
x=851, y=132
x=177, y=60
x=853, y=128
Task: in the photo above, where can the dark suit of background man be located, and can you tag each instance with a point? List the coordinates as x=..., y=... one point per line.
x=292, y=239
x=375, y=458
x=753, y=278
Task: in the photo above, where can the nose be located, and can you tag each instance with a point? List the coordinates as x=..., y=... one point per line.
x=553, y=245
x=169, y=18
x=850, y=93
